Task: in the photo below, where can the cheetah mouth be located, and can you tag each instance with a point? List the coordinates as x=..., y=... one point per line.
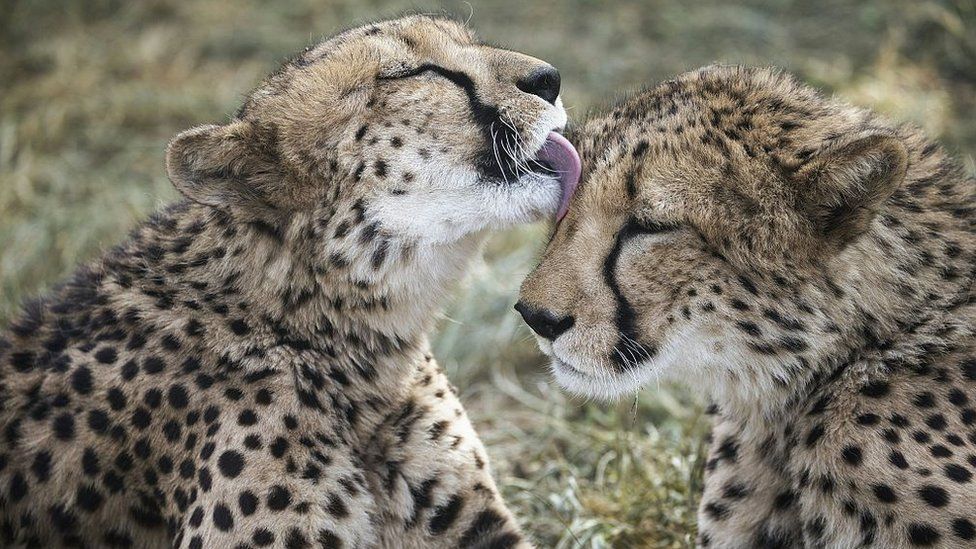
x=558, y=158
x=601, y=383
x=567, y=368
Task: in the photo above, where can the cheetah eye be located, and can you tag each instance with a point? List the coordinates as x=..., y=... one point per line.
x=649, y=226
x=402, y=72
x=458, y=78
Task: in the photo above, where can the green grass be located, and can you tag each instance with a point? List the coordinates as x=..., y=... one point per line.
x=91, y=91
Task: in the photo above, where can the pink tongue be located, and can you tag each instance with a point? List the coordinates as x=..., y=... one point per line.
x=560, y=154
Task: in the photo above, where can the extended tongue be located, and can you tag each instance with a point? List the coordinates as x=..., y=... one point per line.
x=562, y=157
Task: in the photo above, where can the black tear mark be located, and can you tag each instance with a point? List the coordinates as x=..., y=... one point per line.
x=628, y=346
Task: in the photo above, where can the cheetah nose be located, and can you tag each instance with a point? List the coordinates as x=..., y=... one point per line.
x=544, y=322
x=543, y=82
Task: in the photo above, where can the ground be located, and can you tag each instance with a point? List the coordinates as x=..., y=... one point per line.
x=90, y=92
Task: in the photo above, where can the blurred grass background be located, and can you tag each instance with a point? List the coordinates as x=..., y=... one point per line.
x=90, y=91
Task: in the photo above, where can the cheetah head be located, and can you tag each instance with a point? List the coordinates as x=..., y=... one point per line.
x=717, y=215
x=413, y=124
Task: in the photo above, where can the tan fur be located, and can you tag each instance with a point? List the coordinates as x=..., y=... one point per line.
x=807, y=265
x=251, y=367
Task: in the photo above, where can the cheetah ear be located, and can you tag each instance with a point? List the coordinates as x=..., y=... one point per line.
x=220, y=166
x=846, y=186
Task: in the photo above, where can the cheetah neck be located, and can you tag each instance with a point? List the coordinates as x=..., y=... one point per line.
x=365, y=301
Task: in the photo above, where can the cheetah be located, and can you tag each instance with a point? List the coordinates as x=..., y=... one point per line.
x=251, y=367
x=806, y=265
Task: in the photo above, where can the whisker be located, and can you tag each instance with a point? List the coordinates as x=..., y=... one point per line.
x=494, y=148
x=514, y=147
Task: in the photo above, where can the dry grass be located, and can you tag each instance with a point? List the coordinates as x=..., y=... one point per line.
x=90, y=92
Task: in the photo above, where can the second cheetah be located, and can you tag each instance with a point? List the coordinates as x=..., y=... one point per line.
x=810, y=267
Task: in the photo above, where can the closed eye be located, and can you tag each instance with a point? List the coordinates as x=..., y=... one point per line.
x=650, y=226
x=401, y=73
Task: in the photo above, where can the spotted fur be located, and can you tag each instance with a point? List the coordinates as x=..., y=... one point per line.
x=251, y=367
x=810, y=267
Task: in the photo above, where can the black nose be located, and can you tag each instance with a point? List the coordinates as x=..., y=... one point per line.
x=543, y=322
x=543, y=82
